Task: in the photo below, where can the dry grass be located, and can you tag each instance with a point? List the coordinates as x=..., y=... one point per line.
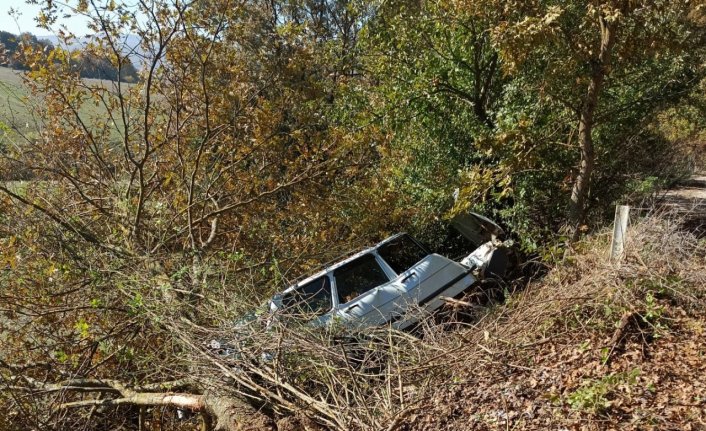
x=592, y=345
x=589, y=346
x=585, y=345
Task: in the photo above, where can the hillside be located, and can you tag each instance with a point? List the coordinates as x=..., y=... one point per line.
x=148, y=241
x=589, y=346
x=87, y=63
x=12, y=93
x=16, y=104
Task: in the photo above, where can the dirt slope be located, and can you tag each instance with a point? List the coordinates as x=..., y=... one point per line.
x=592, y=346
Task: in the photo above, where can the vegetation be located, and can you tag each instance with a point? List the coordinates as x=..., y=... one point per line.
x=263, y=138
x=20, y=118
x=519, y=104
x=85, y=63
x=12, y=45
x=590, y=345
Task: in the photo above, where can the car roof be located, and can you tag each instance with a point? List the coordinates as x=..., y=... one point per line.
x=338, y=263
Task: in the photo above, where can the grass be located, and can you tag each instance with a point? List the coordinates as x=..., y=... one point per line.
x=13, y=98
x=586, y=345
x=16, y=118
x=591, y=345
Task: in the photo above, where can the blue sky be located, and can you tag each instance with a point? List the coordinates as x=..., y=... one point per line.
x=25, y=22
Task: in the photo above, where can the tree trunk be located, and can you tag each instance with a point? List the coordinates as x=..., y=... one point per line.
x=219, y=413
x=232, y=414
x=600, y=69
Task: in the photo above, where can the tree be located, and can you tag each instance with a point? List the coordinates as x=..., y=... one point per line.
x=439, y=85
x=600, y=59
x=90, y=66
x=515, y=104
x=264, y=137
x=183, y=198
x=86, y=64
x=13, y=46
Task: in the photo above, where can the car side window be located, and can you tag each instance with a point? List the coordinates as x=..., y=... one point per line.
x=401, y=253
x=311, y=298
x=357, y=277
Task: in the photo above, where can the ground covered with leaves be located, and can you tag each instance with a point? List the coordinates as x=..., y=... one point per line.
x=593, y=345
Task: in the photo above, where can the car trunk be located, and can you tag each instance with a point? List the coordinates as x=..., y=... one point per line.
x=466, y=232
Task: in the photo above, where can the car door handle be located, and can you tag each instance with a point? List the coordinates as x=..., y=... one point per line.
x=348, y=309
x=410, y=275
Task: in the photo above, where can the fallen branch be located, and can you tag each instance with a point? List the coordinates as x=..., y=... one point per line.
x=228, y=413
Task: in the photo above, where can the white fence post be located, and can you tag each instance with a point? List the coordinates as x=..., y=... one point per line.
x=620, y=227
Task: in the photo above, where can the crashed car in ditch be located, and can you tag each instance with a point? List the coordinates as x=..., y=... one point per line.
x=383, y=284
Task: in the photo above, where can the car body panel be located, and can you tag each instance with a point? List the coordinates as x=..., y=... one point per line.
x=476, y=228
x=392, y=300
x=394, y=297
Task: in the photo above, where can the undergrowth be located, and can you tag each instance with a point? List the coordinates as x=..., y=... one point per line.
x=591, y=344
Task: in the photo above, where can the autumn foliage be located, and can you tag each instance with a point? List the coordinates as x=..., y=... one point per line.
x=263, y=138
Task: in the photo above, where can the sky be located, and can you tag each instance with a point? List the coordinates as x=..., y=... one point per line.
x=24, y=19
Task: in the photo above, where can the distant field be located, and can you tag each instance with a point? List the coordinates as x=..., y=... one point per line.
x=13, y=104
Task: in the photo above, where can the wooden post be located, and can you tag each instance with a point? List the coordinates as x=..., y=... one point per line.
x=620, y=227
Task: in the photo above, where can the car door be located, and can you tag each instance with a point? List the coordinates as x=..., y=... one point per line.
x=312, y=301
x=364, y=291
x=421, y=278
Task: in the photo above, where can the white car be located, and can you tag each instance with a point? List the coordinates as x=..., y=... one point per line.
x=386, y=283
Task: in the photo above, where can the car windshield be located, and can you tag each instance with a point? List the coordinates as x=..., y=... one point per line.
x=401, y=253
x=311, y=298
x=357, y=277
